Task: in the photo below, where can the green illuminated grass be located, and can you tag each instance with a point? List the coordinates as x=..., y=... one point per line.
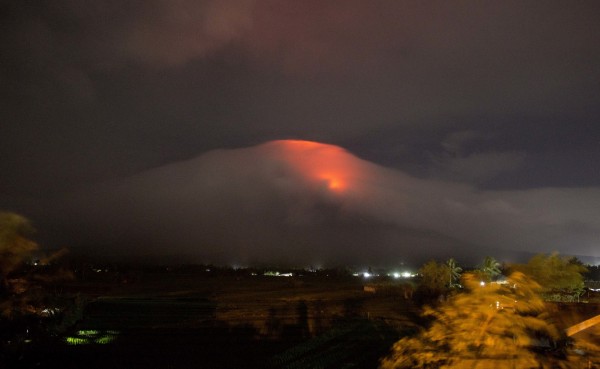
x=92, y=336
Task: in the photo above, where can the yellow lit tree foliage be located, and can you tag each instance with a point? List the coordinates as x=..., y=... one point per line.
x=488, y=326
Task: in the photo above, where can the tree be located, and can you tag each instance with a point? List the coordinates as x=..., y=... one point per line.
x=593, y=273
x=434, y=277
x=15, y=249
x=24, y=286
x=490, y=268
x=15, y=245
x=557, y=275
x=454, y=271
x=490, y=326
x=32, y=308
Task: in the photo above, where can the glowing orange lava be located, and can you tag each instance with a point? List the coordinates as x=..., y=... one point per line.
x=334, y=184
x=325, y=165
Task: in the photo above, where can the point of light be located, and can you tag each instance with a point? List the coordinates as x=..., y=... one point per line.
x=333, y=182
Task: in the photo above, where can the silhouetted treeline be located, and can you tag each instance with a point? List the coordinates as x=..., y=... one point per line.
x=593, y=273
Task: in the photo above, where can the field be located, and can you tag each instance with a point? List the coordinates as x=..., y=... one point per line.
x=189, y=319
x=203, y=319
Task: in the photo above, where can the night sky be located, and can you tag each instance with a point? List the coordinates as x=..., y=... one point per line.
x=316, y=132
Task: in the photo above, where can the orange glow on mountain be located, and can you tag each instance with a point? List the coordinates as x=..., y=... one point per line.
x=325, y=165
x=333, y=183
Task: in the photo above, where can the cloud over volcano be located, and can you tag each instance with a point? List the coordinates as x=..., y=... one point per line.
x=305, y=202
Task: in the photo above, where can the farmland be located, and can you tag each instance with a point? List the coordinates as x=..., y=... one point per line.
x=198, y=317
x=188, y=318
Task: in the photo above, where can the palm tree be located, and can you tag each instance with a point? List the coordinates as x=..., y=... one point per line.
x=490, y=268
x=454, y=271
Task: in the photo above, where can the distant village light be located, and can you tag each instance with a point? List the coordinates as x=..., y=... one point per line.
x=271, y=273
